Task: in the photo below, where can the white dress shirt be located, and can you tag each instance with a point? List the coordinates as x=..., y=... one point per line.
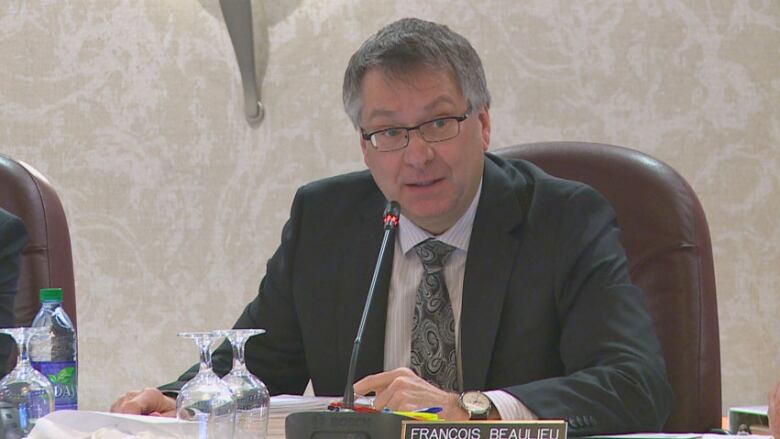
x=407, y=272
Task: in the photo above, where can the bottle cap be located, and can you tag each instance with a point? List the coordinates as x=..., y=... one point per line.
x=51, y=295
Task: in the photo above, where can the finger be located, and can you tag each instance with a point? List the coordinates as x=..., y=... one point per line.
x=154, y=400
x=168, y=414
x=397, y=391
x=115, y=405
x=374, y=383
x=409, y=400
x=140, y=404
x=147, y=401
x=370, y=383
x=395, y=402
x=122, y=399
x=377, y=382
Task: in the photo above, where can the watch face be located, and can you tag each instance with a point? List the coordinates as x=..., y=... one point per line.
x=475, y=401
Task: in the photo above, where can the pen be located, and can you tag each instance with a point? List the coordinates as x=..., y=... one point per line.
x=429, y=410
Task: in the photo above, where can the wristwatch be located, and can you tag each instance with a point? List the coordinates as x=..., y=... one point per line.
x=476, y=404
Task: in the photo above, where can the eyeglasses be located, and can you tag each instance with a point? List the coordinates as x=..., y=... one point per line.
x=436, y=130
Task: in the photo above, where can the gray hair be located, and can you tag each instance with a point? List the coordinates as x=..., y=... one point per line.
x=408, y=44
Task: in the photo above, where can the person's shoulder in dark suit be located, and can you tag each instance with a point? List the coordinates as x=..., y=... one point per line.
x=572, y=250
x=534, y=188
x=337, y=202
x=13, y=238
x=340, y=191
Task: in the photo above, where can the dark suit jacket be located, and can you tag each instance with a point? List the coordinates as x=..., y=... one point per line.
x=549, y=313
x=13, y=238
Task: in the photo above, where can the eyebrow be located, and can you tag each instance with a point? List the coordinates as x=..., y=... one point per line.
x=431, y=105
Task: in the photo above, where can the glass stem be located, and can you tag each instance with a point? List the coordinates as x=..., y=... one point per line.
x=238, y=353
x=205, y=354
x=24, y=356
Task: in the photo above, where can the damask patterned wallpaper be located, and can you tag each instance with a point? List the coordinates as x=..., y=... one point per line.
x=133, y=109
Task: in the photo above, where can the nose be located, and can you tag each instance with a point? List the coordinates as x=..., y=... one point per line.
x=418, y=153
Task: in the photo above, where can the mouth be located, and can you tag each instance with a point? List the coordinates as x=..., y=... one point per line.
x=424, y=183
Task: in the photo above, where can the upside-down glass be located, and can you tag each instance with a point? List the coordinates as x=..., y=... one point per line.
x=251, y=394
x=206, y=399
x=25, y=394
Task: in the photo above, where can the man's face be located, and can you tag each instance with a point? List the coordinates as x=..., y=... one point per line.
x=433, y=182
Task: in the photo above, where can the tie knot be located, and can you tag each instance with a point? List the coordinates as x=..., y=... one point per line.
x=433, y=254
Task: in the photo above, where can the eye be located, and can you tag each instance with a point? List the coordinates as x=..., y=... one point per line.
x=440, y=123
x=392, y=132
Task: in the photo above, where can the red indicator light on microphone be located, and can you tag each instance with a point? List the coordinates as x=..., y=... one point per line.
x=390, y=219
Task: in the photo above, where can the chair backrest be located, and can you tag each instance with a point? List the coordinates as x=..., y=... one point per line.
x=46, y=260
x=666, y=238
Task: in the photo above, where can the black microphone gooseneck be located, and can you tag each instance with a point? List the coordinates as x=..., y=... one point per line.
x=349, y=423
x=390, y=219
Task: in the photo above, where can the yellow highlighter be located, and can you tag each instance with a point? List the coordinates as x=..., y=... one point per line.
x=419, y=416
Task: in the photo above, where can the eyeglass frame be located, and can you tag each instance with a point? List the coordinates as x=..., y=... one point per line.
x=408, y=130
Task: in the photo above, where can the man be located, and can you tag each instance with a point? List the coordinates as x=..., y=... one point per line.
x=13, y=238
x=504, y=279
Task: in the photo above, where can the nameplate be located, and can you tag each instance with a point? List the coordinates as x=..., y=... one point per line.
x=484, y=430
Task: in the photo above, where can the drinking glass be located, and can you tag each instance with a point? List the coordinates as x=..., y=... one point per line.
x=25, y=394
x=206, y=399
x=251, y=394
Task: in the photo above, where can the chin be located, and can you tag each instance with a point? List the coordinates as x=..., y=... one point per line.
x=426, y=217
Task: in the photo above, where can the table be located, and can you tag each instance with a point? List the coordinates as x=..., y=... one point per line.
x=276, y=428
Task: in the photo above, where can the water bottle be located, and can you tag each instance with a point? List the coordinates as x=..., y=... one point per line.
x=53, y=352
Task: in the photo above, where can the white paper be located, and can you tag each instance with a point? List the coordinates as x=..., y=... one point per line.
x=71, y=424
x=283, y=405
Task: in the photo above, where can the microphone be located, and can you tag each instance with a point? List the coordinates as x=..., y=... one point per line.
x=309, y=425
x=390, y=220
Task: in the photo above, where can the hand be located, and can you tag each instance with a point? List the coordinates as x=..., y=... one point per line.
x=402, y=390
x=149, y=401
x=774, y=411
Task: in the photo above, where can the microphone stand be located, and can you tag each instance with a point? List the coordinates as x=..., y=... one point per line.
x=349, y=423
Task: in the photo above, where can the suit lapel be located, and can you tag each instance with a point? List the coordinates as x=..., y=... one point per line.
x=491, y=256
x=365, y=237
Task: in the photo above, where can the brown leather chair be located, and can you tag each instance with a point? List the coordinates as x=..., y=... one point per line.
x=667, y=241
x=46, y=260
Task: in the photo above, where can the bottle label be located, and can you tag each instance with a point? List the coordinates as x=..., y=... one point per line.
x=64, y=377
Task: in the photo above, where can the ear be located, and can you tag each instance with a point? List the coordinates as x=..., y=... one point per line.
x=484, y=120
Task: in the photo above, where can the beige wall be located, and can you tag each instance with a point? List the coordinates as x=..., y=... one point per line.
x=134, y=111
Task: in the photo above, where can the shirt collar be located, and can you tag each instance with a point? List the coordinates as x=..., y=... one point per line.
x=458, y=236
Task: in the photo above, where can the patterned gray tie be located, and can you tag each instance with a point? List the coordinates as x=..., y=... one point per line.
x=433, y=326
